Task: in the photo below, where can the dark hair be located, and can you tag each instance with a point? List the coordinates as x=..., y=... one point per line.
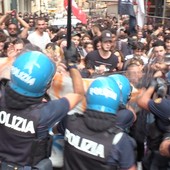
x=167, y=38
x=52, y=45
x=158, y=25
x=25, y=40
x=158, y=43
x=18, y=41
x=31, y=47
x=6, y=45
x=3, y=37
x=87, y=43
x=113, y=31
x=86, y=35
x=120, y=54
x=161, y=34
x=96, y=40
x=40, y=19
x=53, y=29
x=12, y=23
x=26, y=20
x=138, y=46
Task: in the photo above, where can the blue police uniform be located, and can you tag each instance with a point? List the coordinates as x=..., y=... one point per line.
x=158, y=130
x=160, y=108
x=94, y=142
x=24, y=123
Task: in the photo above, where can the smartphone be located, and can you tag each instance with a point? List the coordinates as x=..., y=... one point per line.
x=13, y=13
x=13, y=17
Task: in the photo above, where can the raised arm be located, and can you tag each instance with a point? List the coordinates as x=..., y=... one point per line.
x=24, y=32
x=157, y=89
x=77, y=96
x=5, y=17
x=146, y=95
x=71, y=59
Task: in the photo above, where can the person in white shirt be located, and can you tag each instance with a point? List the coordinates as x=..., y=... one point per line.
x=39, y=37
x=140, y=37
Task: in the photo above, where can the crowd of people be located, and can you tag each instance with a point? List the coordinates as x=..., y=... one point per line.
x=102, y=103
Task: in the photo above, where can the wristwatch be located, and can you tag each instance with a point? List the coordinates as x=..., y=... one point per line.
x=71, y=65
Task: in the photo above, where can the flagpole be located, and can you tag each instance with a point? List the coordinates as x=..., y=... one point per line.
x=69, y=10
x=146, y=11
x=164, y=11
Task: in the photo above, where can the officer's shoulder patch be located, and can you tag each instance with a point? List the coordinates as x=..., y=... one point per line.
x=158, y=100
x=117, y=138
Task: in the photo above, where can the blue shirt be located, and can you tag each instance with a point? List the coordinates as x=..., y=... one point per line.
x=52, y=112
x=122, y=152
x=160, y=108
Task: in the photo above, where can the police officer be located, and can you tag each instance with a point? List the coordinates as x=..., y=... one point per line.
x=24, y=116
x=159, y=107
x=124, y=86
x=93, y=141
x=126, y=115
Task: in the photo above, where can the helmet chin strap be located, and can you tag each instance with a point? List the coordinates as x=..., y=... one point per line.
x=122, y=106
x=131, y=88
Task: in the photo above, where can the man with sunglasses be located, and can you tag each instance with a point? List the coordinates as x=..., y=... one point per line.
x=12, y=28
x=31, y=24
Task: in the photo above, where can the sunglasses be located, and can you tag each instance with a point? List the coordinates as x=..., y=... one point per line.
x=12, y=29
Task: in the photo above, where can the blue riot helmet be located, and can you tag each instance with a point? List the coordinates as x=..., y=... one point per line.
x=31, y=74
x=103, y=95
x=125, y=87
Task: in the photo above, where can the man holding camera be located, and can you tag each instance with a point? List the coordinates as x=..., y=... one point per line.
x=12, y=28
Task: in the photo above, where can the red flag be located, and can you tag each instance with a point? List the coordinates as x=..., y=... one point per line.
x=76, y=11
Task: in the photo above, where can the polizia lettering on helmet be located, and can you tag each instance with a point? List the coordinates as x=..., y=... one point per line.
x=107, y=92
x=17, y=123
x=23, y=76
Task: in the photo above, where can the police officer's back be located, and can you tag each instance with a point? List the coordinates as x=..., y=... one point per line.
x=92, y=139
x=24, y=118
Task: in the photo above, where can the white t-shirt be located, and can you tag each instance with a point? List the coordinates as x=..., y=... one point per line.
x=40, y=41
x=145, y=59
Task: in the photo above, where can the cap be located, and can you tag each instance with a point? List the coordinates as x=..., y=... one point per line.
x=106, y=35
x=75, y=33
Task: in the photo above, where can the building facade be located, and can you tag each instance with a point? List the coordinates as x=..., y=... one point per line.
x=154, y=7
x=19, y=5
